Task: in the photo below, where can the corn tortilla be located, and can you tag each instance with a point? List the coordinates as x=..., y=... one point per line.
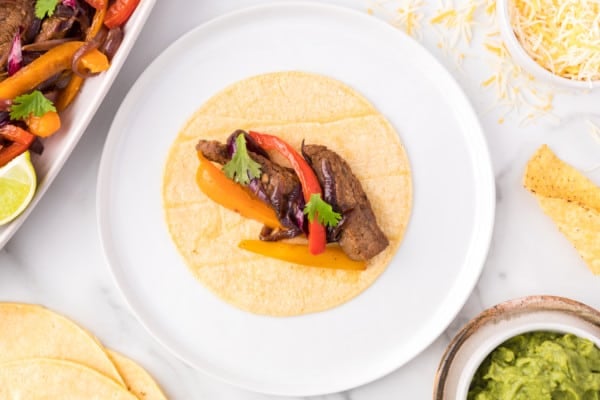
x=295, y=106
x=137, y=380
x=43, y=379
x=32, y=331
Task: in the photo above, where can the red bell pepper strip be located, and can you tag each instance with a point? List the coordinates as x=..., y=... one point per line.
x=308, y=180
x=21, y=140
x=119, y=12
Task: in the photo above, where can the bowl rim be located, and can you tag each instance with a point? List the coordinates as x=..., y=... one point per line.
x=511, y=308
x=521, y=56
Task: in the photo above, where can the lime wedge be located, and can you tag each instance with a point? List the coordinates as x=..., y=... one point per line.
x=17, y=187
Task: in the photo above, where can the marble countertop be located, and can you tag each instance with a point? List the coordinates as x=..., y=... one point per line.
x=55, y=259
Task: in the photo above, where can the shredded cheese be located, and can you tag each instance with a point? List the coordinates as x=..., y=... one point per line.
x=490, y=8
x=457, y=20
x=453, y=22
x=594, y=130
x=562, y=36
x=515, y=89
x=407, y=16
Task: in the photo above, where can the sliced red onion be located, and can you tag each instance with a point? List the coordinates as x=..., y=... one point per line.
x=295, y=209
x=63, y=11
x=51, y=95
x=49, y=83
x=29, y=56
x=5, y=104
x=251, y=144
x=86, y=48
x=70, y=3
x=112, y=42
x=257, y=188
x=36, y=146
x=45, y=45
x=334, y=233
x=4, y=118
x=32, y=31
x=15, y=56
x=277, y=201
x=83, y=18
x=328, y=183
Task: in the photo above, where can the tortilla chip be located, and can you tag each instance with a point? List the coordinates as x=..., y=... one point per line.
x=32, y=331
x=579, y=225
x=570, y=199
x=548, y=176
x=137, y=380
x=294, y=106
x=44, y=379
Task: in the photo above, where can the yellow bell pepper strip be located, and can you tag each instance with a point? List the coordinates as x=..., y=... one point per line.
x=21, y=140
x=45, y=125
x=48, y=64
x=222, y=190
x=68, y=94
x=308, y=180
x=332, y=257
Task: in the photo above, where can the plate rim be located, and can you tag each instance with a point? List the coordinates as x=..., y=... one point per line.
x=485, y=208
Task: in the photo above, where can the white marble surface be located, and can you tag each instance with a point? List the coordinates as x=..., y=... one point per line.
x=56, y=260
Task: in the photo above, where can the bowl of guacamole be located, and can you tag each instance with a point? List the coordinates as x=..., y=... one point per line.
x=539, y=365
x=537, y=347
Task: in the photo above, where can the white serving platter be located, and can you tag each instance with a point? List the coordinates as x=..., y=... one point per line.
x=76, y=118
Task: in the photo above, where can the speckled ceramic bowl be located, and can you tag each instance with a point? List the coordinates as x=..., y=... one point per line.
x=493, y=326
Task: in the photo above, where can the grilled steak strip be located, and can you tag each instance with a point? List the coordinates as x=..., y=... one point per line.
x=14, y=14
x=213, y=151
x=360, y=238
x=274, y=177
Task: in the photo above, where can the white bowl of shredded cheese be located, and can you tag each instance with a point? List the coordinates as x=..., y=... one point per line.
x=555, y=41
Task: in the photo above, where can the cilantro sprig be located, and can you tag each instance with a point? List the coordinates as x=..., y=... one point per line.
x=241, y=168
x=33, y=103
x=45, y=8
x=319, y=208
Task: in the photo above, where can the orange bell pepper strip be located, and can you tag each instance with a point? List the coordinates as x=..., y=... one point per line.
x=94, y=61
x=97, y=4
x=317, y=238
x=222, y=190
x=68, y=94
x=45, y=125
x=119, y=12
x=48, y=64
x=98, y=20
x=21, y=140
x=332, y=257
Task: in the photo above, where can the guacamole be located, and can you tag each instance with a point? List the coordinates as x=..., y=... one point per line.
x=539, y=365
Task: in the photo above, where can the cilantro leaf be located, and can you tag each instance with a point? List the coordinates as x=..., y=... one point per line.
x=318, y=207
x=45, y=8
x=241, y=168
x=33, y=103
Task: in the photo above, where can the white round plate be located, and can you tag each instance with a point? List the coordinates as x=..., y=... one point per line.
x=430, y=277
